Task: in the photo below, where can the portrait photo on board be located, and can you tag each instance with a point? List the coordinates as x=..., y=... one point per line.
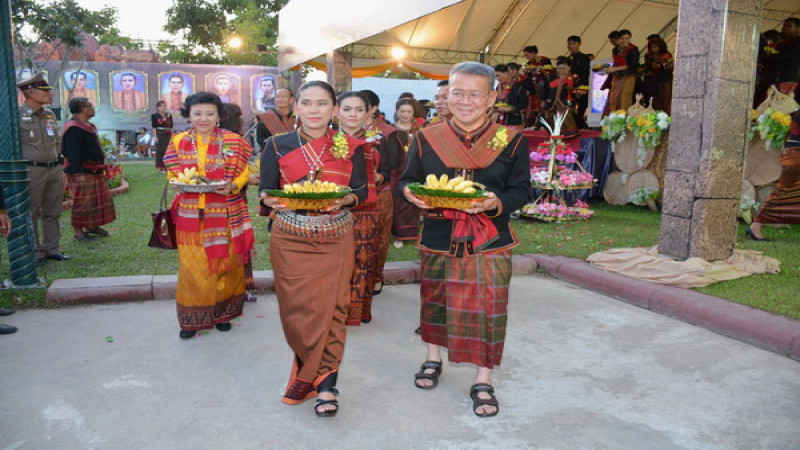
x=225, y=85
x=128, y=90
x=263, y=87
x=79, y=83
x=174, y=87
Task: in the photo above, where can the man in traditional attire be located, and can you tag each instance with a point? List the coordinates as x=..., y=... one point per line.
x=466, y=254
x=278, y=119
x=581, y=67
x=92, y=205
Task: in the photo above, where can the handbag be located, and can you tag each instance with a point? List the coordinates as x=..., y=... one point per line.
x=163, y=235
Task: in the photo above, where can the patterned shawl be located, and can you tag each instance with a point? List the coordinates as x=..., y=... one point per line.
x=225, y=159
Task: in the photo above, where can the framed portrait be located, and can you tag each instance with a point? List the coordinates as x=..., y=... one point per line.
x=263, y=87
x=79, y=83
x=226, y=85
x=128, y=90
x=174, y=87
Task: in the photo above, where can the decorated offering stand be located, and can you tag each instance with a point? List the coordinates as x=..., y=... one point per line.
x=554, y=169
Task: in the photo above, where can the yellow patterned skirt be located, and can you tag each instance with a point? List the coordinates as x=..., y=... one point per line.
x=206, y=299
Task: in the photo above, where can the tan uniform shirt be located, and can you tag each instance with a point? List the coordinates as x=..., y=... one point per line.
x=39, y=134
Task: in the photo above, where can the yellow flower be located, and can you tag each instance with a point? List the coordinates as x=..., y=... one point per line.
x=786, y=120
x=340, y=148
x=753, y=114
x=640, y=121
x=500, y=139
x=651, y=130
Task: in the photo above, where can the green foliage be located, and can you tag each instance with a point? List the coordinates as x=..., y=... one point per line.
x=63, y=19
x=207, y=27
x=112, y=37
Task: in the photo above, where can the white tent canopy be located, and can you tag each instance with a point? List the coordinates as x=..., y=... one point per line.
x=504, y=27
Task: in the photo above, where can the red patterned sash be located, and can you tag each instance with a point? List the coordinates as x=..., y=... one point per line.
x=275, y=124
x=317, y=156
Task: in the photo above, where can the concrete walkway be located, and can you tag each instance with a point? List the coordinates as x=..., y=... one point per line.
x=581, y=370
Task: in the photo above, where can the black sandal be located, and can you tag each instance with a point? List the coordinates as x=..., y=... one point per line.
x=320, y=402
x=477, y=402
x=97, y=231
x=436, y=366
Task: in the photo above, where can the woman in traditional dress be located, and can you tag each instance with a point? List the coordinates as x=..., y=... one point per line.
x=466, y=254
x=351, y=110
x=390, y=158
x=162, y=127
x=214, y=232
x=783, y=204
x=313, y=252
x=658, y=65
x=406, y=217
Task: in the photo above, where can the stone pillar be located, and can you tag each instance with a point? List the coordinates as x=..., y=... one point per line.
x=712, y=93
x=340, y=75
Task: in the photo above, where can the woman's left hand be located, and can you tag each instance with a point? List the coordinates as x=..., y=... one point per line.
x=227, y=189
x=347, y=200
x=491, y=202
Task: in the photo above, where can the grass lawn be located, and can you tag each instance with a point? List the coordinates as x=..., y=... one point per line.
x=126, y=251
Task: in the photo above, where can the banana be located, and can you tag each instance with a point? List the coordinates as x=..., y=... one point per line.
x=463, y=185
x=469, y=190
x=454, y=181
x=443, y=181
x=431, y=181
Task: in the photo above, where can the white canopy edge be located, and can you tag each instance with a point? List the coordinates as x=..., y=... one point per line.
x=309, y=28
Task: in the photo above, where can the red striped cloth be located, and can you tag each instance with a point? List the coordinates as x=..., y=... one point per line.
x=464, y=305
x=92, y=205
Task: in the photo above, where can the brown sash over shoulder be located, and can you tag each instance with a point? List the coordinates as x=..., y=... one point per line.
x=452, y=152
x=275, y=124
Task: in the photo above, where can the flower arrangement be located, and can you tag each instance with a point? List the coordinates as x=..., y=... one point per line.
x=500, y=139
x=614, y=126
x=555, y=210
x=113, y=175
x=649, y=127
x=340, y=148
x=564, y=179
x=645, y=197
x=773, y=127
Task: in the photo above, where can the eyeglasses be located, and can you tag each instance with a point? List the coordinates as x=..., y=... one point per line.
x=471, y=96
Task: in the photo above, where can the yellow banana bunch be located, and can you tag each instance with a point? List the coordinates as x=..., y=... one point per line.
x=312, y=187
x=457, y=184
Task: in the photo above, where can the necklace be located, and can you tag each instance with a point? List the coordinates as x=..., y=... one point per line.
x=312, y=159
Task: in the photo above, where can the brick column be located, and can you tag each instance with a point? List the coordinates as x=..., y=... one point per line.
x=712, y=93
x=340, y=74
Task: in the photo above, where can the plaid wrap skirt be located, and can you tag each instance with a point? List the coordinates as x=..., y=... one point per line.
x=92, y=204
x=465, y=305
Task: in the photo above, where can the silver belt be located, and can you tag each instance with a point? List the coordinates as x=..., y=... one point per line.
x=314, y=226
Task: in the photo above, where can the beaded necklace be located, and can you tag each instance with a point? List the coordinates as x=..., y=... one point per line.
x=312, y=159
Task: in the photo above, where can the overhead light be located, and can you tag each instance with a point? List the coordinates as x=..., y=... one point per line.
x=398, y=52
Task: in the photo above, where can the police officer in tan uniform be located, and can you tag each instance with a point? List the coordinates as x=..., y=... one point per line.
x=40, y=146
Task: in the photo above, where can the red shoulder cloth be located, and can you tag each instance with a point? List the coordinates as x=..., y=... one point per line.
x=317, y=157
x=455, y=155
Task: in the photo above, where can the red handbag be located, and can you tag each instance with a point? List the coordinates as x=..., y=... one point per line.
x=163, y=235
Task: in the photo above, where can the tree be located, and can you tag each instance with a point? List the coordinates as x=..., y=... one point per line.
x=207, y=27
x=35, y=22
